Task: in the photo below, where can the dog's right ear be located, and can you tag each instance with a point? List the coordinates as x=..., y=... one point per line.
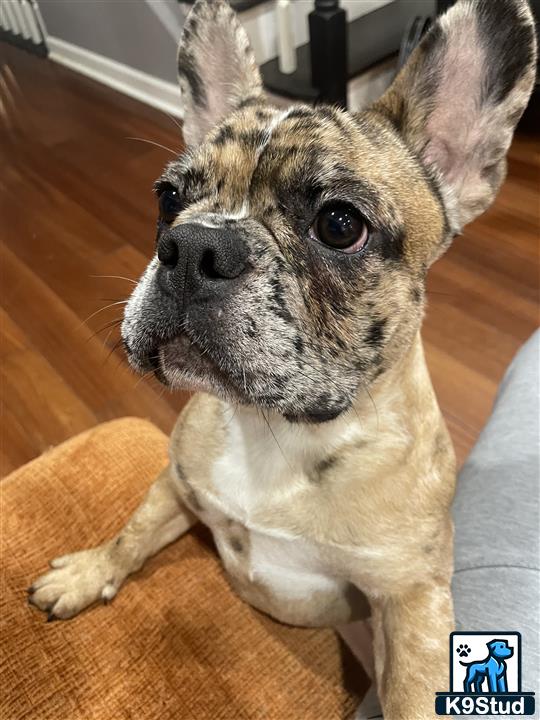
x=458, y=99
x=216, y=68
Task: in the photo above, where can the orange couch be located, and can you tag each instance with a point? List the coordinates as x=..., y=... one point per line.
x=176, y=642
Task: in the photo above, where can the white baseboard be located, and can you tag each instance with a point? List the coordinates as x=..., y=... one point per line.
x=151, y=90
x=165, y=96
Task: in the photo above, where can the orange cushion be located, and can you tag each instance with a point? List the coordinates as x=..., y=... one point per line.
x=176, y=642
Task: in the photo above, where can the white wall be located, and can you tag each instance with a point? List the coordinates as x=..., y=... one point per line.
x=140, y=34
x=144, y=33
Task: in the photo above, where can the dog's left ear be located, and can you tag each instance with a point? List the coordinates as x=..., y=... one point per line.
x=216, y=67
x=460, y=96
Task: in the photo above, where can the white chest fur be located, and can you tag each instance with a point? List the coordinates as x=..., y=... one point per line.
x=266, y=462
x=266, y=459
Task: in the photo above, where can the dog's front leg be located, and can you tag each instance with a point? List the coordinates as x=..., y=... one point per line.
x=411, y=650
x=81, y=578
x=492, y=680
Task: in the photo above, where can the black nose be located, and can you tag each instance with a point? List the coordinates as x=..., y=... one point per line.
x=202, y=259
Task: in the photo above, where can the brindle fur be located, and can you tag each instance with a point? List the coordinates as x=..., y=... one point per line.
x=355, y=511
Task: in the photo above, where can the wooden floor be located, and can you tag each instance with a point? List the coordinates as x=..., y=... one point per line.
x=76, y=206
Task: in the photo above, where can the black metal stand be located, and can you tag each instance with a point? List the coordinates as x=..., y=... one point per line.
x=443, y=5
x=328, y=51
x=371, y=38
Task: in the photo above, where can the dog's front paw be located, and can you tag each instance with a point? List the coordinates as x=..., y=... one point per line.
x=76, y=581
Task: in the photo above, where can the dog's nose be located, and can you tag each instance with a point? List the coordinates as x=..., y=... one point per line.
x=202, y=259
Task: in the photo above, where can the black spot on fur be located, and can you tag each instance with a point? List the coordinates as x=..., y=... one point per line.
x=327, y=463
x=237, y=545
x=194, y=178
x=251, y=331
x=262, y=115
x=416, y=294
x=277, y=296
x=298, y=344
x=253, y=138
x=312, y=192
x=508, y=44
x=324, y=408
x=390, y=244
x=322, y=467
x=188, y=68
x=375, y=335
x=300, y=113
x=323, y=415
x=225, y=134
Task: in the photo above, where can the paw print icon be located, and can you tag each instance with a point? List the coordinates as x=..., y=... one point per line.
x=463, y=650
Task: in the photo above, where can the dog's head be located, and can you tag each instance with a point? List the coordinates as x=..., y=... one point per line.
x=292, y=246
x=500, y=649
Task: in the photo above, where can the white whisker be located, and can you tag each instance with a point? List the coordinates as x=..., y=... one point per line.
x=115, y=277
x=151, y=142
x=119, y=302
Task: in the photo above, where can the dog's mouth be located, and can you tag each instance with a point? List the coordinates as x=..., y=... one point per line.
x=180, y=363
x=184, y=363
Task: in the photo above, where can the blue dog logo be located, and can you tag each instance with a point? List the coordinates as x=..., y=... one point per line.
x=492, y=669
x=491, y=686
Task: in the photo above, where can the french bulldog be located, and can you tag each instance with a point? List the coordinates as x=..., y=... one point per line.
x=287, y=288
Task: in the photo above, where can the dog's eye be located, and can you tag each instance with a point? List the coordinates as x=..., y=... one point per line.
x=341, y=227
x=170, y=203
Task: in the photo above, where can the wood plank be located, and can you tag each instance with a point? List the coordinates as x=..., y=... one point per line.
x=39, y=409
x=102, y=383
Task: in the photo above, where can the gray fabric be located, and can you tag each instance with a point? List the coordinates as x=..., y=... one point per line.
x=496, y=584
